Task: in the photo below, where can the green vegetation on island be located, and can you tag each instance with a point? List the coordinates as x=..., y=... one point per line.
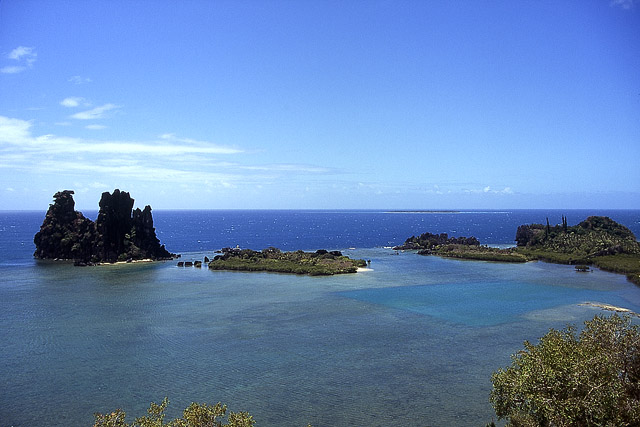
x=598, y=241
x=476, y=253
x=319, y=263
x=590, y=379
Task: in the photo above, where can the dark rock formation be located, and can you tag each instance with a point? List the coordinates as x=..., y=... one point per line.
x=429, y=241
x=65, y=233
x=125, y=234
x=117, y=235
x=114, y=225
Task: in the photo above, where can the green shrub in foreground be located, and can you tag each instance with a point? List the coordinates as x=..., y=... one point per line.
x=196, y=415
x=567, y=379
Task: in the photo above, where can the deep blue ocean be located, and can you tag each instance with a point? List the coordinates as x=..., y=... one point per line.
x=411, y=341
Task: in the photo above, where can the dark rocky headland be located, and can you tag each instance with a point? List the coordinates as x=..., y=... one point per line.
x=428, y=242
x=118, y=234
x=597, y=240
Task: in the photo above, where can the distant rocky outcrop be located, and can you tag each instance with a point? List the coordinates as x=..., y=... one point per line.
x=119, y=233
x=428, y=241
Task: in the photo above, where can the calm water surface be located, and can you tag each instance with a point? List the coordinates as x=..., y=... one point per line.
x=412, y=341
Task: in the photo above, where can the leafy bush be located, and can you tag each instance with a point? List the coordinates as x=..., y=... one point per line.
x=567, y=379
x=196, y=415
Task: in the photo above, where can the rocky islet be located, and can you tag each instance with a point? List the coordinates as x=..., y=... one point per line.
x=120, y=233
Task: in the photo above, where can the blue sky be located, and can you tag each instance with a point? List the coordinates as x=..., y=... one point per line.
x=321, y=104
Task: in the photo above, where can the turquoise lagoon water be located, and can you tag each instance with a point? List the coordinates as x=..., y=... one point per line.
x=411, y=341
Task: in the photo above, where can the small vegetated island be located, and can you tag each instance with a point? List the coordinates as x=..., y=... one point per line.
x=319, y=263
x=598, y=241
x=119, y=233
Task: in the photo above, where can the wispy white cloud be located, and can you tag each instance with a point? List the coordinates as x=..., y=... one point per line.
x=79, y=80
x=22, y=52
x=83, y=187
x=26, y=56
x=286, y=168
x=14, y=131
x=170, y=159
x=17, y=132
x=51, y=144
x=488, y=190
x=95, y=127
x=95, y=113
x=72, y=101
x=12, y=69
x=142, y=171
x=96, y=184
x=624, y=4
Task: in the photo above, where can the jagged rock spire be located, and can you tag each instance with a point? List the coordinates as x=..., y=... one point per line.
x=118, y=234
